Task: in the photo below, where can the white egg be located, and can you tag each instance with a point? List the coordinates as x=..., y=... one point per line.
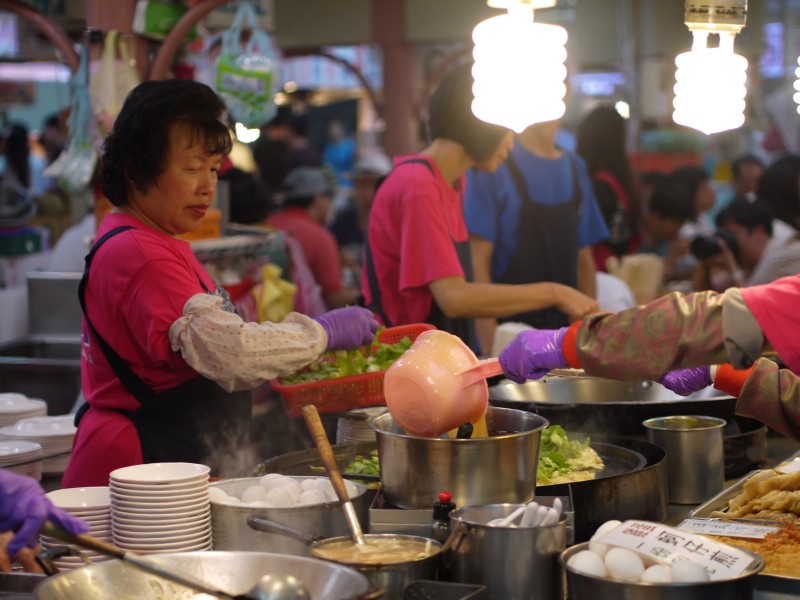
x=657, y=574
x=312, y=497
x=600, y=548
x=253, y=493
x=686, y=571
x=276, y=482
x=231, y=500
x=267, y=479
x=307, y=484
x=216, y=495
x=324, y=484
x=260, y=504
x=293, y=487
x=587, y=562
x=624, y=564
x=279, y=497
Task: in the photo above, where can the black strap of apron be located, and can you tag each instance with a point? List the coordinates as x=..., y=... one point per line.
x=132, y=382
x=522, y=187
x=376, y=305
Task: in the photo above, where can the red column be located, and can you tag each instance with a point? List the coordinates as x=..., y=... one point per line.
x=399, y=77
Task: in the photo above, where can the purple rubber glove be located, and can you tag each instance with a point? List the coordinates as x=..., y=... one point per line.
x=24, y=509
x=533, y=353
x=349, y=327
x=686, y=381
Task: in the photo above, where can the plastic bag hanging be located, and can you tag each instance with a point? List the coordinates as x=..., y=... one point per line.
x=245, y=78
x=110, y=84
x=75, y=165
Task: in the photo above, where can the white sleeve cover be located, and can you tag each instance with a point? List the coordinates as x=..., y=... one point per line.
x=239, y=355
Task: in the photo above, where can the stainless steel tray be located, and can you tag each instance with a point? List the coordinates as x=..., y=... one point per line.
x=768, y=587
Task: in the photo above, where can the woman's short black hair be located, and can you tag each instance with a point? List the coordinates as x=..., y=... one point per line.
x=450, y=116
x=134, y=154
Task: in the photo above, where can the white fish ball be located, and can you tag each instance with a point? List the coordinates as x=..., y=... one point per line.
x=686, y=571
x=587, y=562
x=260, y=504
x=230, y=500
x=312, y=497
x=307, y=484
x=267, y=479
x=324, y=484
x=279, y=497
x=215, y=494
x=253, y=493
x=657, y=574
x=275, y=482
x=293, y=487
x=624, y=564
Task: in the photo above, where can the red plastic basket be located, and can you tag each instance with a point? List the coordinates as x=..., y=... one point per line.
x=346, y=393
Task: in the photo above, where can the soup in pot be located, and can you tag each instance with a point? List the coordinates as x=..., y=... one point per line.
x=376, y=551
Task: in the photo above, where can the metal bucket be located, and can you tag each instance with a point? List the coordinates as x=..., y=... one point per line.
x=494, y=470
x=234, y=572
x=512, y=562
x=588, y=587
x=231, y=532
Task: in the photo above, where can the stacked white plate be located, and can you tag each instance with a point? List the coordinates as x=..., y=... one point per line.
x=54, y=434
x=21, y=456
x=353, y=425
x=14, y=407
x=90, y=504
x=161, y=507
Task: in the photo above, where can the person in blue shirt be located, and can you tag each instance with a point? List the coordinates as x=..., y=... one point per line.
x=534, y=220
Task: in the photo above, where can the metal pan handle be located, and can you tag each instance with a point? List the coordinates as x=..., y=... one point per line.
x=262, y=524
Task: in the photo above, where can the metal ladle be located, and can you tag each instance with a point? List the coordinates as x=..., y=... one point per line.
x=317, y=431
x=269, y=587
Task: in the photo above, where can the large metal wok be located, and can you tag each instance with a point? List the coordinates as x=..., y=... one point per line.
x=595, y=405
x=235, y=572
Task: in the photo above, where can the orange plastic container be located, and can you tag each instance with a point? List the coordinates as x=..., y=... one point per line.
x=345, y=393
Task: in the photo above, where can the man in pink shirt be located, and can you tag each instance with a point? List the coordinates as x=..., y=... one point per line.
x=306, y=208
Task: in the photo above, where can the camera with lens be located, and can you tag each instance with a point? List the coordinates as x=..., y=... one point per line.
x=708, y=246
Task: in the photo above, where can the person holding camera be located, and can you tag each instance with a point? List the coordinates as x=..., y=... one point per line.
x=744, y=252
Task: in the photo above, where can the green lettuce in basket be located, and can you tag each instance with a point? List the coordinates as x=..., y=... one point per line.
x=343, y=363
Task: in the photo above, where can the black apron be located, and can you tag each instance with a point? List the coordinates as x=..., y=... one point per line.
x=547, y=249
x=195, y=422
x=461, y=327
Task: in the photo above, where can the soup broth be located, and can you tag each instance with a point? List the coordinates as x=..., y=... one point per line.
x=377, y=551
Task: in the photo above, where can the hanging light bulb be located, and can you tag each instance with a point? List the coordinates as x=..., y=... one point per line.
x=797, y=86
x=710, y=88
x=519, y=67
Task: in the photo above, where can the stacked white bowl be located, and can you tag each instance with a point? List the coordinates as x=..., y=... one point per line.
x=90, y=504
x=161, y=507
x=54, y=434
x=21, y=456
x=14, y=407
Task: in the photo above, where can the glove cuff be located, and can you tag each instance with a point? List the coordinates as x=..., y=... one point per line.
x=730, y=380
x=569, y=346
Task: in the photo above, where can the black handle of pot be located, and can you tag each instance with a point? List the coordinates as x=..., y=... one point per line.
x=46, y=558
x=262, y=524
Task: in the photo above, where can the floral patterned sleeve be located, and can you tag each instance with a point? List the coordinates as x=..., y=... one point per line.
x=673, y=331
x=772, y=395
x=239, y=355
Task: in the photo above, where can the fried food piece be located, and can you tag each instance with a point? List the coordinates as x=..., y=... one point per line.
x=26, y=556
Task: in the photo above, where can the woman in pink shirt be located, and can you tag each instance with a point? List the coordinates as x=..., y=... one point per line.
x=163, y=352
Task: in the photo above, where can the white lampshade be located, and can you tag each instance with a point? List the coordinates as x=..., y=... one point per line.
x=797, y=86
x=519, y=70
x=710, y=88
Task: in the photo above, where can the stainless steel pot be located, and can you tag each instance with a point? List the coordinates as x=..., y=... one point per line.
x=391, y=577
x=235, y=572
x=512, y=562
x=230, y=530
x=588, y=587
x=493, y=470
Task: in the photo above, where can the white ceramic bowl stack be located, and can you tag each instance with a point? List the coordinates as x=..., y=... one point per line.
x=161, y=507
x=21, y=456
x=90, y=504
x=54, y=434
x=14, y=407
